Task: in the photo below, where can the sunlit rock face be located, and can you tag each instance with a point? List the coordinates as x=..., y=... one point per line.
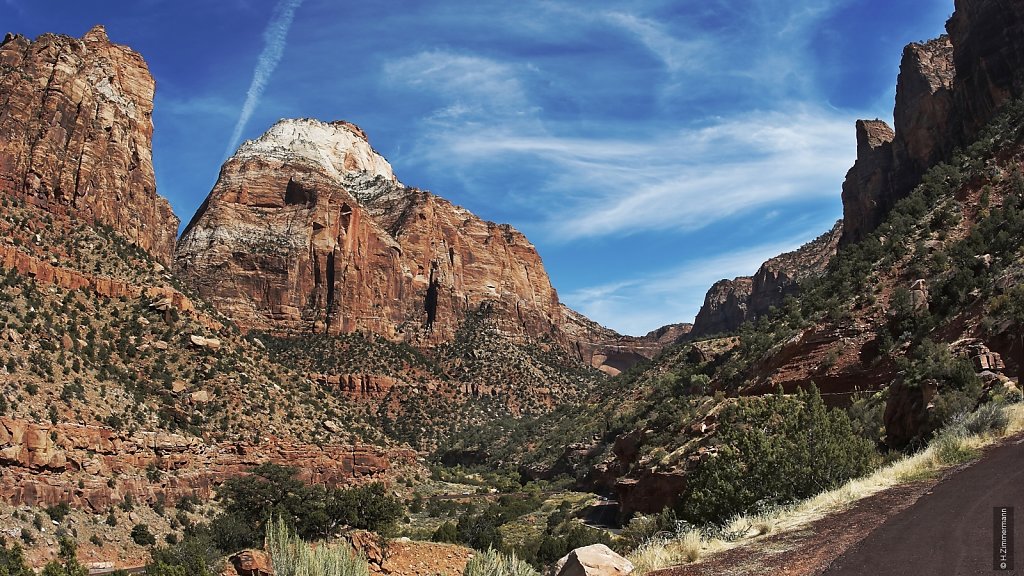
x=76, y=135
x=309, y=230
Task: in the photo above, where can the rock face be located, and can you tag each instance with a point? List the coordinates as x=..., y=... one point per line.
x=309, y=230
x=48, y=464
x=947, y=90
x=867, y=190
x=730, y=303
x=611, y=352
x=76, y=135
x=726, y=306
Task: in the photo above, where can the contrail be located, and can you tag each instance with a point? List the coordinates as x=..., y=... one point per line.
x=274, y=38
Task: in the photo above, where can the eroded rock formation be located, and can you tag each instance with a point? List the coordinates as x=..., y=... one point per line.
x=611, y=352
x=730, y=303
x=47, y=464
x=947, y=90
x=76, y=134
x=309, y=230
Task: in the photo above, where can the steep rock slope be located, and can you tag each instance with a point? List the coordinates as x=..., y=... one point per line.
x=730, y=303
x=76, y=134
x=948, y=89
x=309, y=230
x=613, y=353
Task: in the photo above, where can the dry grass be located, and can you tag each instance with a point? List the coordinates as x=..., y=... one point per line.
x=953, y=447
x=683, y=549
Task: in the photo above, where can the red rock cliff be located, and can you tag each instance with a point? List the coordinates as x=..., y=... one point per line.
x=76, y=134
x=308, y=229
x=947, y=90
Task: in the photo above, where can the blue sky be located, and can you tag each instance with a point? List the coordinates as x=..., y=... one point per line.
x=647, y=147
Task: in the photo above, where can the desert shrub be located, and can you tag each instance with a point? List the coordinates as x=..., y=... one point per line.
x=446, y=532
x=313, y=511
x=142, y=536
x=59, y=511
x=774, y=450
x=491, y=563
x=291, y=556
x=1014, y=396
x=12, y=561
x=557, y=543
x=989, y=417
x=951, y=448
x=196, y=555
x=643, y=528
x=68, y=562
x=866, y=416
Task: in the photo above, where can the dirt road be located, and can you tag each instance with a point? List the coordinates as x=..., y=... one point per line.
x=949, y=530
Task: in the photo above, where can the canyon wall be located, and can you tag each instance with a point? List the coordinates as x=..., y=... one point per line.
x=76, y=135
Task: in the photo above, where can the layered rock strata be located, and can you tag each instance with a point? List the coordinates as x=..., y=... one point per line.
x=76, y=135
x=308, y=230
x=46, y=464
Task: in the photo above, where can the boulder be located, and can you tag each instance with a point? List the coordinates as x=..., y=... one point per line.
x=369, y=545
x=251, y=563
x=593, y=560
x=203, y=342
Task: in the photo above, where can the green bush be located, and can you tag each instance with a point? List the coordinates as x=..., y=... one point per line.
x=12, y=561
x=491, y=563
x=774, y=450
x=58, y=512
x=196, y=554
x=314, y=511
x=291, y=556
x=988, y=417
x=446, y=532
x=68, y=564
x=142, y=536
x=950, y=448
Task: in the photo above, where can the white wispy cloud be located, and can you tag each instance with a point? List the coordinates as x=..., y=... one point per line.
x=735, y=125
x=681, y=180
x=275, y=39
x=639, y=305
x=675, y=53
x=475, y=86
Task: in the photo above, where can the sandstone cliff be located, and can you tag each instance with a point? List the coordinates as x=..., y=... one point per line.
x=948, y=88
x=47, y=464
x=730, y=303
x=613, y=353
x=76, y=134
x=309, y=231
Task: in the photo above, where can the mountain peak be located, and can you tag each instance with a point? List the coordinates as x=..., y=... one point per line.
x=340, y=148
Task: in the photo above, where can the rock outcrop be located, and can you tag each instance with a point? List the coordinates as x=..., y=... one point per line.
x=309, y=230
x=611, y=352
x=46, y=464
x=730, y=303
x=726, y=306
x=948, y=88
x=76, y=135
